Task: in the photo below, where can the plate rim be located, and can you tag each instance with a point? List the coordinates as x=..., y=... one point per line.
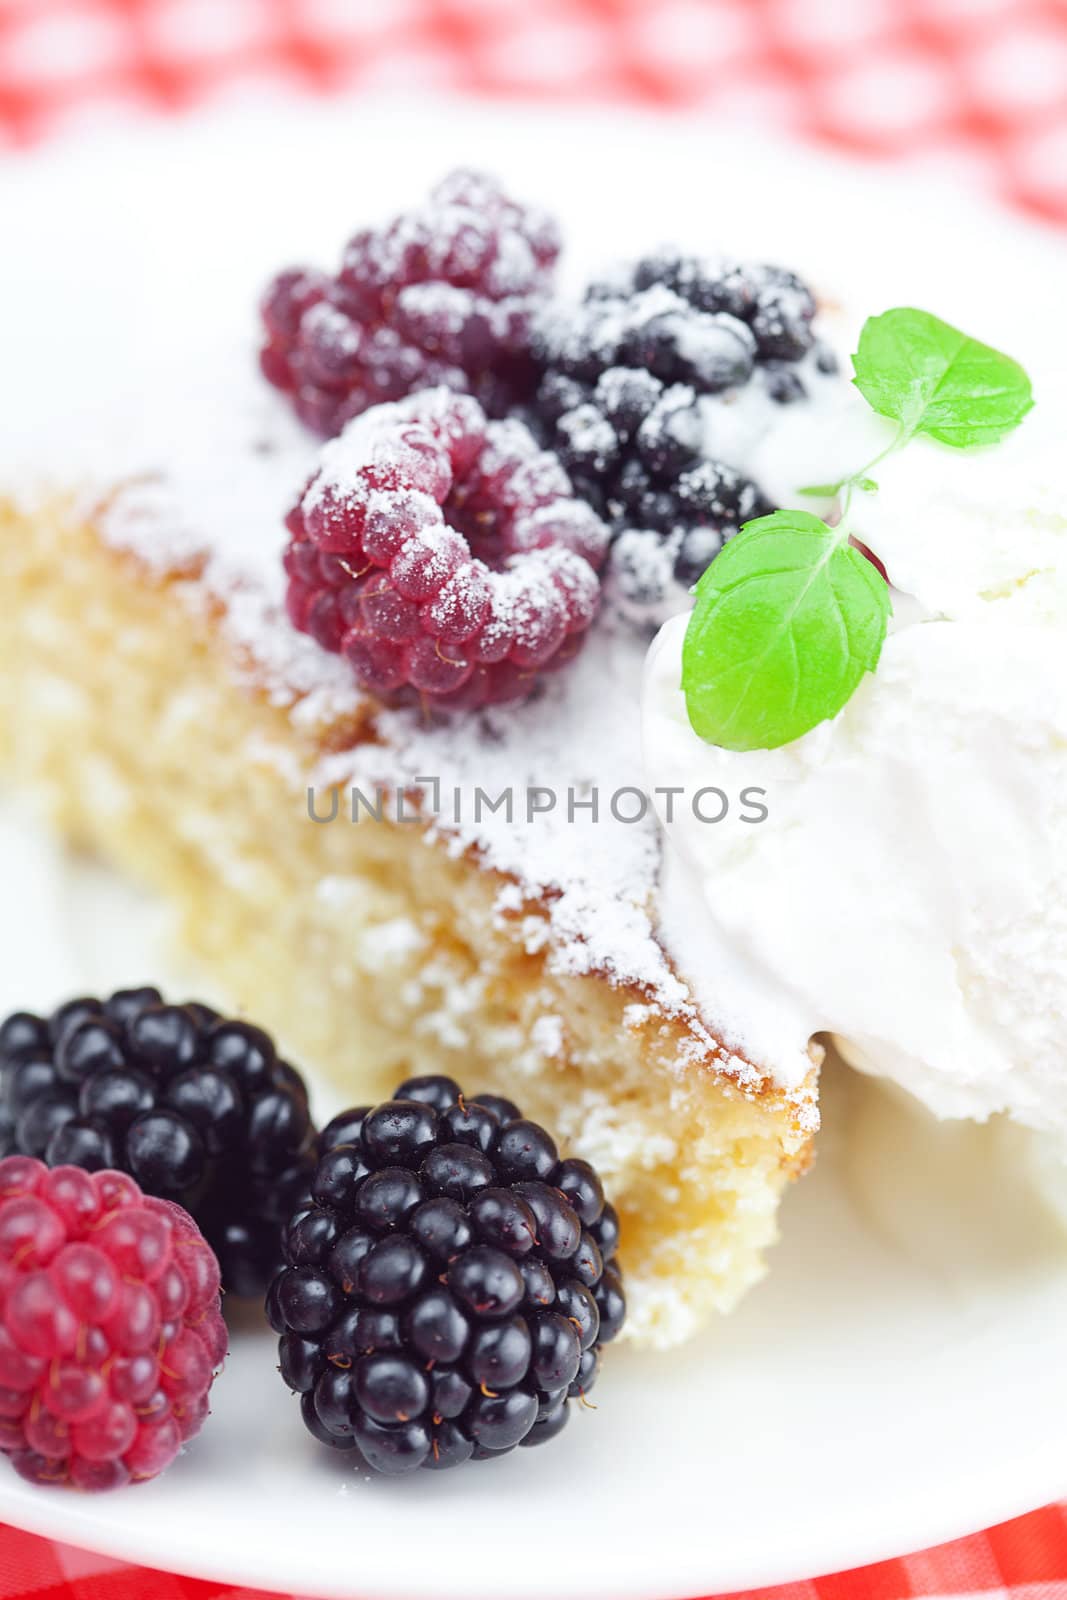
x=69, y=1519
x=940, y=1530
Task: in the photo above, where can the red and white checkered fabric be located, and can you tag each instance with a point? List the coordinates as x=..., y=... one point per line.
x=1021, y=1560
x=981, y=79
x=982, y=82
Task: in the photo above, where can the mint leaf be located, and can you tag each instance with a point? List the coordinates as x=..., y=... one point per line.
x=790, y=615
x=933, y=379
x=787, y=620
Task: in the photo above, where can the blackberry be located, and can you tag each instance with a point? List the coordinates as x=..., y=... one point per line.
x=197, y=1108
x=621, y=398
x=448, y=1284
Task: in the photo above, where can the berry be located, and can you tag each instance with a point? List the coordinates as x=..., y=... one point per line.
x=447, y=1287
x=195, y=1108
x=443, y=555
x=443, y=294
x=621, y=397
x=110, y=1327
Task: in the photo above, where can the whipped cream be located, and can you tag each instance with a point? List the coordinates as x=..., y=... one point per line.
x=908, y=889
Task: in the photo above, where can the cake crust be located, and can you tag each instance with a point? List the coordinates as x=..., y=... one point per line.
x=156, y=733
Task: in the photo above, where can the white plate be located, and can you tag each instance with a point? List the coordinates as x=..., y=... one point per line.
x=899, y=1379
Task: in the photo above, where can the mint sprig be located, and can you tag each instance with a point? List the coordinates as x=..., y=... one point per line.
x=790, y=615
x=788, y=619
x=933, y=379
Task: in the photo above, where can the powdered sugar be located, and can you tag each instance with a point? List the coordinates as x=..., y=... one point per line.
x=719, y=347
x=443, y=555
x=465, y=228
x=586, y=430
x=598, y=876
x=208, y=461
x=444, y=293
x=575, y=741
x=577, y=744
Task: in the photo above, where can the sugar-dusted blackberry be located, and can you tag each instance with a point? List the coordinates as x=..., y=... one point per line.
x=444, y=294
x=696, y=551
x=670, y=439
x=449, y=1281
x=197, y=1108
x=627, y=378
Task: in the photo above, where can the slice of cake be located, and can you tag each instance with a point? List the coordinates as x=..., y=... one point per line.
x=388, y=889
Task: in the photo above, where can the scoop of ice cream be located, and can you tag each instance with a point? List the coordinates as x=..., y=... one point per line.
x=908, y=888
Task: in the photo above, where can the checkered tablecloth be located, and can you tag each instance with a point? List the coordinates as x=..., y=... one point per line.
x=979, y=83
x=1021, y=1560
x=983, y=80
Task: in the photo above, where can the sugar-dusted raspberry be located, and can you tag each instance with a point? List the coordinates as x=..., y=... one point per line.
x=444, y=294
x=443, y=554
x=110, y=1328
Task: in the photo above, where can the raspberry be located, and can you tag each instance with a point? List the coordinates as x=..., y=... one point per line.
x=445, y=294
x=621, y=401
x=443, y=554
x=110, y=1327
x=198, y=1109
x=449, y=1284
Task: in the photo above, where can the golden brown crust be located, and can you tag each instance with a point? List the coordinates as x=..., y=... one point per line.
x=340, y=734
x=343, y=733
x=370, y=949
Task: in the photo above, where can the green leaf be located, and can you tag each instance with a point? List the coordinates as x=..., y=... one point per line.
x=787, y=620
x=931, y=378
